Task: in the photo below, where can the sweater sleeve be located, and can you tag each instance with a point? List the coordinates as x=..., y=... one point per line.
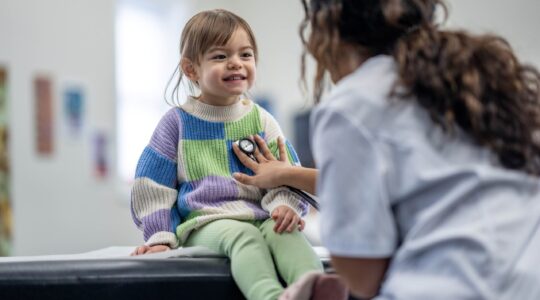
x=155, y=190
x=281, y=195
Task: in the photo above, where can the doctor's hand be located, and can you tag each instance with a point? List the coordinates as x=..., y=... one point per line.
x=268, y=170
x=286, y=219
x=144, y=249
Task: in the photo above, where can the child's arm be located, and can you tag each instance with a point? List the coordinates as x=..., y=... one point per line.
x=280, y=196
x=155, y=189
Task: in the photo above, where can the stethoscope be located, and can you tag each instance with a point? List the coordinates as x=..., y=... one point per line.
x=248, y=147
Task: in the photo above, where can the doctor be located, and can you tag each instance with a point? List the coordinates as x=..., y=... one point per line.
x=427, y=153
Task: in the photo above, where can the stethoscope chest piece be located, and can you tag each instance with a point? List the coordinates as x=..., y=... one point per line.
x=247, y=146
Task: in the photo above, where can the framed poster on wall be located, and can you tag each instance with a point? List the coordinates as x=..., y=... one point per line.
x=5, y=204
x=44, y=115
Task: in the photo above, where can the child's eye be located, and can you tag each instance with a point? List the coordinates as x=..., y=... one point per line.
x=247, y=54
x=219, y=56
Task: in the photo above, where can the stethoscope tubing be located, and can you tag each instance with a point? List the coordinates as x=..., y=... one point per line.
x=305, y=196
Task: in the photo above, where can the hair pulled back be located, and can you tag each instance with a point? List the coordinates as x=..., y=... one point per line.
x=474, y=82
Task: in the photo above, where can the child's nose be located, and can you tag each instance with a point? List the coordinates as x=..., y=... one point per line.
x=234, y=63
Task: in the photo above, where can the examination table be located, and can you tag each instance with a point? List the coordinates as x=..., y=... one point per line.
x=186, y=273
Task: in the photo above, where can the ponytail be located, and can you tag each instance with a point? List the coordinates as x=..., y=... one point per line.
x=464, y=81
x=477, y=84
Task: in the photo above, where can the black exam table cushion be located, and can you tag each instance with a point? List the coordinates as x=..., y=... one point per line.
x=96, y=279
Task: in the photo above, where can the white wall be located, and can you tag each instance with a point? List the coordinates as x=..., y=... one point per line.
x=59, y=207
x=517, y=21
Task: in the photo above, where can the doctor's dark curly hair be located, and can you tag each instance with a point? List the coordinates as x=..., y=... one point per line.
x=474, y=82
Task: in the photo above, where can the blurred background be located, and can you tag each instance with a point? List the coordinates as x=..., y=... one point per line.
x=82, y=87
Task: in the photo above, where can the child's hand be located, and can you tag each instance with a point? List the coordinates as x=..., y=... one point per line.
x=286, y=219
x=149, y=249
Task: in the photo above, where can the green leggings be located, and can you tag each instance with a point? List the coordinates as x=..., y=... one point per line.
x=251, y=247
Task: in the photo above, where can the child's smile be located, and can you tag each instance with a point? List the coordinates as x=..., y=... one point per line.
x=235, y=79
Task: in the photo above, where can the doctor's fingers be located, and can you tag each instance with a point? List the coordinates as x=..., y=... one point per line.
x=282, y=151
x=243, y=178
x=261, y=144
x=244, y=159
x=259, y=156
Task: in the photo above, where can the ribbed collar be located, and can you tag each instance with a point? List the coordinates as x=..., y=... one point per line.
x=217, y=113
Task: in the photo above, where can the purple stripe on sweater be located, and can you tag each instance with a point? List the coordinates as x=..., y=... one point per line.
x=167, y=134
x=260, y=214
x=214, y=191
x=155, y=222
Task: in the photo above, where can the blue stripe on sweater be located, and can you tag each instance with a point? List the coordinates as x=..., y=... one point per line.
x=156, y=167
x=234, y=163
x=198, y=129
x=181, y=202
x=175, y=218
x=291, y=150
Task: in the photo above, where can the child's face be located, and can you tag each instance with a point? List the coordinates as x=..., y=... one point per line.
x=226, y=72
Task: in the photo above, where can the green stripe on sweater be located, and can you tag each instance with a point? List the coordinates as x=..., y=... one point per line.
x=273, y=146
x=204, y=158
x=250, y=123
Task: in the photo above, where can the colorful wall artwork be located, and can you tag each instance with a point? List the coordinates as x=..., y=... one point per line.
x=101, y=164
x=74, y=109
x=5, y=205
x=44, y=115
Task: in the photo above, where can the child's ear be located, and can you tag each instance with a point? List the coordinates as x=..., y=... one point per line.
x=189, y=69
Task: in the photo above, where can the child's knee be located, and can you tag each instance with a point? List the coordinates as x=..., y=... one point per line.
x=244, y=235
x=268, y=226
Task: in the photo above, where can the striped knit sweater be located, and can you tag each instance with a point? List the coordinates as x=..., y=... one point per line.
x=184, y=176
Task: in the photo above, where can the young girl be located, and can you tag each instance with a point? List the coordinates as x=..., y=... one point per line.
x=428, y=147
x=184, y=193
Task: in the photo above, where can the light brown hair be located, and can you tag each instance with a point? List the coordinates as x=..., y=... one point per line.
x=203, y=31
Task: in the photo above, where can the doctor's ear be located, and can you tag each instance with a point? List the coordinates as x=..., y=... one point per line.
x=188, y=68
